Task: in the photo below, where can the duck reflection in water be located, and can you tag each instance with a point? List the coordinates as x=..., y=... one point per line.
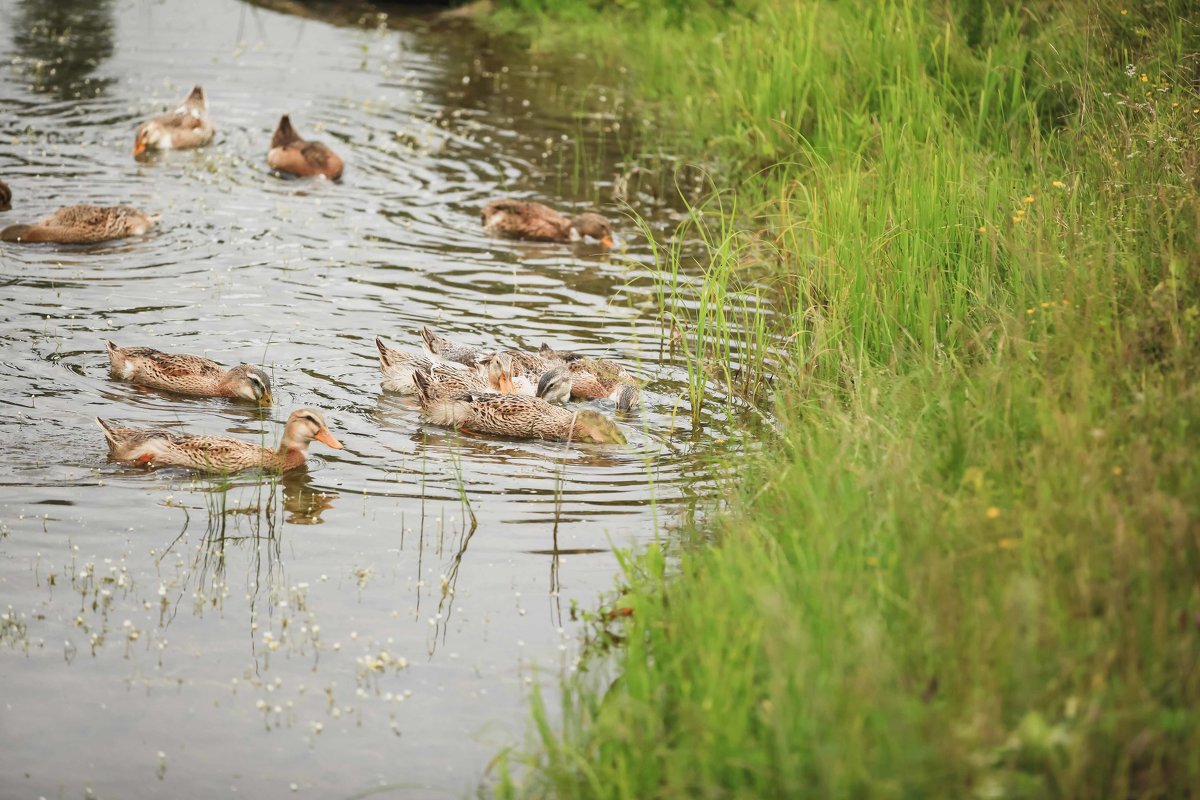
x=303, y=503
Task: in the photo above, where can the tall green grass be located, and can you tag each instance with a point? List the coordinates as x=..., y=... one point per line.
x=970, y=565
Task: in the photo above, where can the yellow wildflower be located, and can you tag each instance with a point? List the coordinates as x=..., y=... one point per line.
x=1016, y=219
x=1030, y=311
x=1124, y=12
x=1116, y=470
x=992, y=512
x=1028, y=198
x=1145, y=78
x=1047, y=305
x=1058, y=184
x=983, y=228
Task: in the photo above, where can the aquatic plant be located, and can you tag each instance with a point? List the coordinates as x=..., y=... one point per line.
x=966, y=567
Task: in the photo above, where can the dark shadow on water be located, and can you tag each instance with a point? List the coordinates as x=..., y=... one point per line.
x=62, y=43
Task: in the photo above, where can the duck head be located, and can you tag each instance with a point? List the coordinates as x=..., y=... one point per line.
x=595, y=226
x=249, y=382
x=304, y=426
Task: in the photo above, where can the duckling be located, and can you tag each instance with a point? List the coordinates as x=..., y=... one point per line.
x=5, y=197
x=289, y=153
x=82, y=224
x=162, y=448
x=513, y=415
x=186, y=374
x=518, y=219
x=187, y=126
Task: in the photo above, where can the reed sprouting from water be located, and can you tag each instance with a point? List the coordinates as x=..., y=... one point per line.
x=969, y=565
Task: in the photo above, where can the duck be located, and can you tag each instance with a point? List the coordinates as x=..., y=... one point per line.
x=597, y=378
x=187, y=374
x=589, y=378
x=513, y=415
x=493, y=373
x=156, y=447
x=5, y=197
x=520, y=219
x=529, y=373
x=83, y=224
x=291, y=154
x=398, y=367
x=185, y=127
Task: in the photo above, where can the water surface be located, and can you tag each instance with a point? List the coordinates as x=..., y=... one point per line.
x=345, y=628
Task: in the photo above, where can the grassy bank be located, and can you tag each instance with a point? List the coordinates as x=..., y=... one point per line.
x=971, y=564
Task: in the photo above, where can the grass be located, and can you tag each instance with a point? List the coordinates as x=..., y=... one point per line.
x=969, y=566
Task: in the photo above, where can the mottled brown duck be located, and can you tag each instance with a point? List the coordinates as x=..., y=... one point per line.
x=295, y=156
x=155, y=447
x=590, y=378
x=519, y=219
x=82, y=224
x=513, y=415
x=187, y=374
x=185, y=127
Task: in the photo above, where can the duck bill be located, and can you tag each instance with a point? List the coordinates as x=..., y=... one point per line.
x=139, y=147
x=608, y=243
x=326, y=438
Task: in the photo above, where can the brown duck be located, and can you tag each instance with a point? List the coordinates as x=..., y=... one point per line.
x=513, y=415
x=83, y=224
x=291, y=154
x=528, y=373
x=156, y=447
x=187, y=126
x=589, y=378
x=187, y=374
x=5, y=197
x=493, y=373
x=518, y=219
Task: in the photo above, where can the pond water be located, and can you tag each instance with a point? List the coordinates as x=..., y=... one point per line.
x=344, y=629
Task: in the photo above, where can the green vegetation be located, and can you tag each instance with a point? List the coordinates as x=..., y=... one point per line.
x=970, y=565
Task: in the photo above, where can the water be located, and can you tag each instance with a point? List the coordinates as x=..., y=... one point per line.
x=167, y=634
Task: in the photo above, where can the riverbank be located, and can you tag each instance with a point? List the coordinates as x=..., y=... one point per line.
x=969, y=566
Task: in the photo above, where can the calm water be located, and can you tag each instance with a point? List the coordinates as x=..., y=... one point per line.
x=167, y=635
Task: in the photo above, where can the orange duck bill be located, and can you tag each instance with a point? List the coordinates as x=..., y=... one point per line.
x=326, y=438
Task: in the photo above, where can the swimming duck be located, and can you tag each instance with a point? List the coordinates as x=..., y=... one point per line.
x=529, y=373
x=5, y=197
x=162, y=448
x=590, y=378
x=289, y=153
x=493, y=373
x=83, y=224
x=186, y=374
x=398, y=367
x=597, y=378
x=513, y=415
x=187, y=126
x=518, y=219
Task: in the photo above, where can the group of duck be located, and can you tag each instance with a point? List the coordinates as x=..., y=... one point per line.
x=493, y=392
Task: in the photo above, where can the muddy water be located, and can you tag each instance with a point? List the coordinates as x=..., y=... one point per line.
x=344, y=629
